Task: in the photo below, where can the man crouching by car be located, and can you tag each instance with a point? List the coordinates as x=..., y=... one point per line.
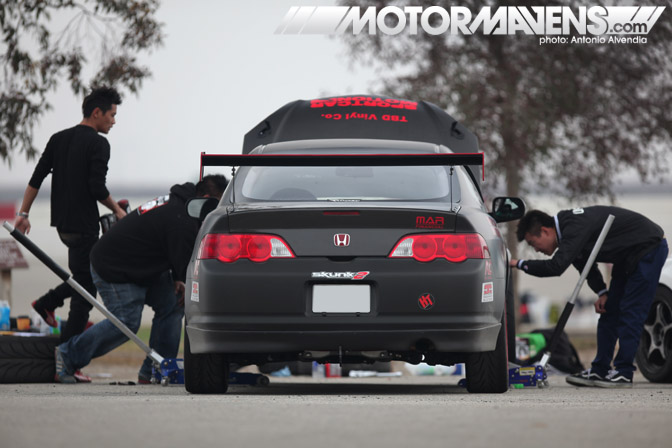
x=141, y=260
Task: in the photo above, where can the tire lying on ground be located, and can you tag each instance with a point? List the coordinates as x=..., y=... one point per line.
x=27, y=359
x=38, y=347
x=654, y=355
x=27, y=370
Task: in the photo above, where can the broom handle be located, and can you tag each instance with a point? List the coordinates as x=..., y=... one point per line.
x=560, y=326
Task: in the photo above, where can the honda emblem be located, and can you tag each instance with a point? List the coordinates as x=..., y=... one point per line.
x=341, y=239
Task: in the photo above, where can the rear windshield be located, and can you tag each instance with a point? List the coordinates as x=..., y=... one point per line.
x=369, y=183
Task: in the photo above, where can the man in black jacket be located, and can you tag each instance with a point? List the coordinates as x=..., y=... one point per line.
x=77, y=160
x=141, y=260
x=637, y=248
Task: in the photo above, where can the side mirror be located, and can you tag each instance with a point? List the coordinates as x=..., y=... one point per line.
x=199, y=208
x=507, y=209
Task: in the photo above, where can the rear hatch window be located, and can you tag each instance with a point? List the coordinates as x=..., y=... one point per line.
x=368, y=183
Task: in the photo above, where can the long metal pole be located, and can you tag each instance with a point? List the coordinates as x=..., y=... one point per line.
x=67, y=277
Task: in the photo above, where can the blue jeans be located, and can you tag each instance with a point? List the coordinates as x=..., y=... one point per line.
x=628, y=303
x=126, y=301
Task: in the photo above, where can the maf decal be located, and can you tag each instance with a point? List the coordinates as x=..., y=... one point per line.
x=429, y=222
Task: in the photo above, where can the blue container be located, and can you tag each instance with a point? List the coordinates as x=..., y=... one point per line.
x=4, y=315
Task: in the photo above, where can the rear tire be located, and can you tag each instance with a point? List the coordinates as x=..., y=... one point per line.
x=510, y=320
x=205, y=373
x=654, y=355
x=488, y=372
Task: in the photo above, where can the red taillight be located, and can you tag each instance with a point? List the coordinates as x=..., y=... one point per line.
x=229, y=248
x=424, y=248
x=453, y=247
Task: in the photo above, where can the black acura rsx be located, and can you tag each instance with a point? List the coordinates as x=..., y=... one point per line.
x=351, y=244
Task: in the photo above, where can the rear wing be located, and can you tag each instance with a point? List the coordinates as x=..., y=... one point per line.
x=474, y=161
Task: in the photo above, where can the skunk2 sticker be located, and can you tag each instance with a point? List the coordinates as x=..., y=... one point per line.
x=488, y=294
x=361, y=275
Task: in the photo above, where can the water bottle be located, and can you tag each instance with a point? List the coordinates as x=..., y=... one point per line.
x=4, y=315
x=38, y=323
x=332, y=370
x=318, y=370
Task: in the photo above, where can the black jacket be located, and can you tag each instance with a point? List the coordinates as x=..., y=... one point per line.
x=77, y=158
x=152, y=239
x=631, y=236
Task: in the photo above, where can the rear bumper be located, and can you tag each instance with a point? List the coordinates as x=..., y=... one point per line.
x=268, y=309
x=208, y=339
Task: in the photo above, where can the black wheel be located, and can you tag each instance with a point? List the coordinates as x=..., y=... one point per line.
x=205, y=373
x=26, y=370
x=19, y=347
x=654, y=355
x=487, y=372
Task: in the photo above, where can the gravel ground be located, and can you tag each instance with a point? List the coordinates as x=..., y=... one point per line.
x=427, y=411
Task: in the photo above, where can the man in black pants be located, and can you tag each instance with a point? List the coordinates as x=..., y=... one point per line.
x=637, y=248
x=141, y=260
x=77, y=159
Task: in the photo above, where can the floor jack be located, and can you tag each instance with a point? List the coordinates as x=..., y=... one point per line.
x=535, y=376
x=165, y=370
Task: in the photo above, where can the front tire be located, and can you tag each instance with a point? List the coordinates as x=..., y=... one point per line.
x=654, y=355
x=488, y=372
x=205, y=373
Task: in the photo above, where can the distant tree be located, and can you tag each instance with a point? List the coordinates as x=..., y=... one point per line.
x=35, y=57
x=561, y=117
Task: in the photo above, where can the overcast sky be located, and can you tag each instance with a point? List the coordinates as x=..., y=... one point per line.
x=220, y=72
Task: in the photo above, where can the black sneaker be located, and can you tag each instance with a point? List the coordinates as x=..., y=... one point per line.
x=614, y=380
x=585, y=378
x=144, y=379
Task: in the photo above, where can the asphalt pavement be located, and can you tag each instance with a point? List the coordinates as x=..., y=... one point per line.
x=403, y=412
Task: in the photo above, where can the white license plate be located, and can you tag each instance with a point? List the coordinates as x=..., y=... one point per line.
x=341, y=299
